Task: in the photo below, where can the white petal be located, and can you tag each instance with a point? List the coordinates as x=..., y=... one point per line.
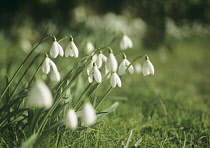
x=74, y=49
x=111, y=63
x=122, y=45
x=119, y=83
x=150, y=67
x=71, y=119
x=97, y=75
x=68, y=51
x=90, y=78
x=46, y=66
x=53, y=65
x=89, y=47
x=138, y=68
x=40, y=95
x=88, y=114
x=94, y=57
x=130, y=69
x=122, y=68
x=104, y=58
x=60, y=49
x=89, y=67
x=99, y=61
x=113, y=80
x=126, y=42
x=57, y=76
x=54, y=50
x=145, y=69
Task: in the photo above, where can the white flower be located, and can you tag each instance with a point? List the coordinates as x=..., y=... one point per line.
x=115, y=80
x=124, y=65
x=56, y=49
x=46, y=69
x=111, y=62
x=89, y=47
x=138, y=68
x=71, y=119
x=55, y=76
x=46, y=66
x=40, y=95
x=96, y=73
x=126, y=42
x=100, y=59
x=148, y=68
x=88, y=114
x=71, y=49
x=89, y=67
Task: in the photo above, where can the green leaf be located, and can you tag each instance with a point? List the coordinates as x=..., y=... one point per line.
x=107, y=111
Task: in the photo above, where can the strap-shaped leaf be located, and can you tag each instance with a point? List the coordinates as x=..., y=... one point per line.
x=107, y=111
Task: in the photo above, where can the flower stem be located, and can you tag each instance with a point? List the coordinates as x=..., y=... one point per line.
x=21, y=66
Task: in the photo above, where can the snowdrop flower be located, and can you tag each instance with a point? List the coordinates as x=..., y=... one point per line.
x=100, y=59
x=89, y=47
x=71, y=49
x=89, y=67
x=95, y=73
x=126, y=42
x=138, y=68
x=46, y=65
x=115, y=80
x=46, y=68
x=111, y=62
x=88, y=114
x=124, y=65
x=71, y=119
x=40, y=95
x=56, y=49
x=148, y=68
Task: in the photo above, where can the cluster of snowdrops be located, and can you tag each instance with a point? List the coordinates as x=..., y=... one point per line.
x=40, y=95
x=42, y=110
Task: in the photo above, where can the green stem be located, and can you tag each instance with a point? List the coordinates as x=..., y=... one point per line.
x=19, y=82
x=79, y=99
x=29, y=84
x=103, y=98
x=44, y=121
x=20, y=67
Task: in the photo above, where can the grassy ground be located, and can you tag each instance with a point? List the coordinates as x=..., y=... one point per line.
x=169, y=109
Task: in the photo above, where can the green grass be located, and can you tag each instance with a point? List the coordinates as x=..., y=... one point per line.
x=168, y=109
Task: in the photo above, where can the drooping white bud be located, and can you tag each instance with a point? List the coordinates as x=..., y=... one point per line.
x=56, y=49
x=115, y=80
x=46, y=69
x=138, y=68
x=148, y=68
x=71, y=49
x=89, y=47
x=71, y=119
x=100, y=59
x=40, y=95
x=123, y=66
x=46, y=66
x=95, y=73
x=88, y=114
x=126, y=42
x=111, y=62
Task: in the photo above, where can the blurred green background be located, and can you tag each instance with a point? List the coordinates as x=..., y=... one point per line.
x=169, y=109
